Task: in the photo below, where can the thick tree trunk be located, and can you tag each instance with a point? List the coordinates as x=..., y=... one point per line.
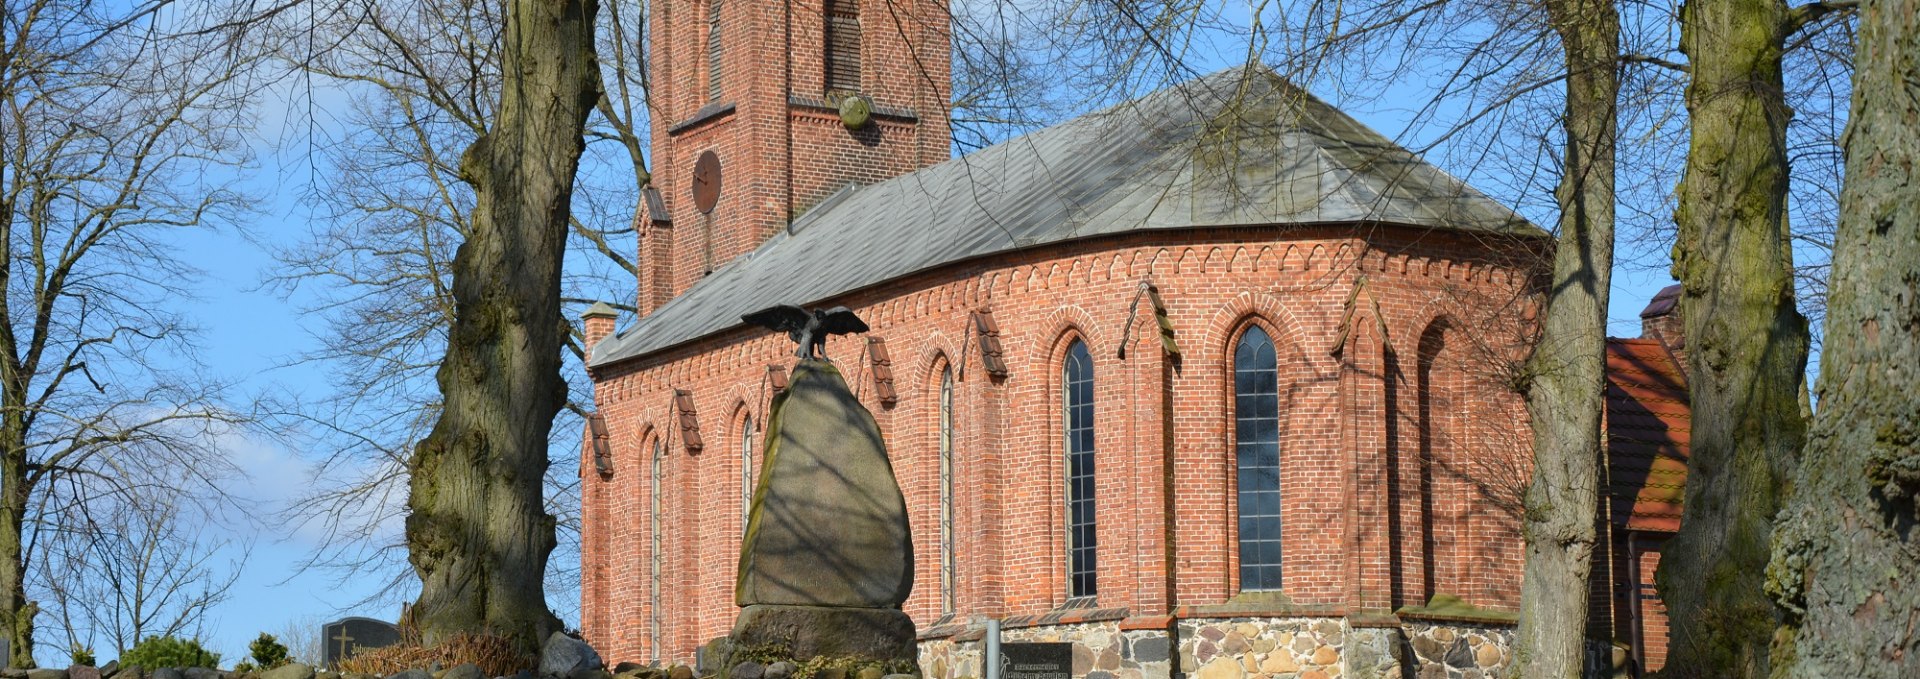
x=1569, y=364
x=1847, y=555
x=16, y=612
x=478, y=533
x=1747, y=343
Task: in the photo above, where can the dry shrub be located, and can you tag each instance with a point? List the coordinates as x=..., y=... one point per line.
x=494, y=654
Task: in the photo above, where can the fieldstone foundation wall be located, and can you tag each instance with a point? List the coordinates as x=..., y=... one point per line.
x=1453, y=650
x=1263, y=648
x=1254, y=648
x=1100, y=651
x=949, y=659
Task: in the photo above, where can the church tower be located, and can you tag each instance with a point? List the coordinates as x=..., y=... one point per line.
x=762, y=108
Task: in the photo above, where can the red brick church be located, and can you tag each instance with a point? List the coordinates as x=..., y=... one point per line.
x=1212, y=384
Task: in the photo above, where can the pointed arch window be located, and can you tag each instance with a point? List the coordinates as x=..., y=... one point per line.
x=843, y=46
x=947, y=566
x=1077, y=402
x=746, y=470
x=1256, y=415
x=653, y=537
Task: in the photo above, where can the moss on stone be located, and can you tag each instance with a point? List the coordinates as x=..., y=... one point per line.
x=1444, y=605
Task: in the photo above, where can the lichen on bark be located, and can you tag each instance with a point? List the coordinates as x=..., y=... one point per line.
x=1848, y=551
x=1747, y=343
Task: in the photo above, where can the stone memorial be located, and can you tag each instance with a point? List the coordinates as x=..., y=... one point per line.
x=347, y=637
x=827, y=559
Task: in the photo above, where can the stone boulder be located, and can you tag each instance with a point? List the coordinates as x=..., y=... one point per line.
x=563, y=655
x=289, y=671
x=204, y=673
x=46, y=674
x=828, y=525
x=464, y=671
x=163, y=673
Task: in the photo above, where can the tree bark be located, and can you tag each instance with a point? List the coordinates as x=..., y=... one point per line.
x=1847, y=550
x=16, y=612
x=1568, y=367
x=478, y=533
x=1747, y=343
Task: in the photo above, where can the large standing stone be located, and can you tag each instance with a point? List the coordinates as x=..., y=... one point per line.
x=828, y=526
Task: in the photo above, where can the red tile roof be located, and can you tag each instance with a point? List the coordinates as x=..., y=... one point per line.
x=1649, y=435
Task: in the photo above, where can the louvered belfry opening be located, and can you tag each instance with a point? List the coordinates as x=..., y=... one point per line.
x=713, y=50
x=843, y=46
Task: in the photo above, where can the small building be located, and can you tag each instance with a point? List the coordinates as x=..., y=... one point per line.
x=1214, y=383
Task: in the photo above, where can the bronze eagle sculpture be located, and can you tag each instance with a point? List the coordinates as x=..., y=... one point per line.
x=807, y=328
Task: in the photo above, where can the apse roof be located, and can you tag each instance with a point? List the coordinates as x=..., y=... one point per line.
x=1241, y=147
x=1649, y=435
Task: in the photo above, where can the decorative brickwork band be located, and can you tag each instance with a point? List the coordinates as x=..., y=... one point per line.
x=882, y=371
x=689, y=420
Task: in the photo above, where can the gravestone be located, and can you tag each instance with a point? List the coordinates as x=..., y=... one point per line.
x=348, y=637
x=1036, y=661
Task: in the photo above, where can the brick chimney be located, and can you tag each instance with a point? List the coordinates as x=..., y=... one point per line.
x=1661, y=320
x=597, y=322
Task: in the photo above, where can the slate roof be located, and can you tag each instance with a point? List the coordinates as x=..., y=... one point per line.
x=1649, y=435
x=1239, y=147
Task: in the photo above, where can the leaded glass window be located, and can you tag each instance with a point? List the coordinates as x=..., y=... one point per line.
x=1077, y=380
x=946, y=492
x=1256, y=415
x=746, y=470
x=653, y=536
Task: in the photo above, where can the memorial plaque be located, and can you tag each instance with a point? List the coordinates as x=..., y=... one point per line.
x=348, y=637
x=1036, y=661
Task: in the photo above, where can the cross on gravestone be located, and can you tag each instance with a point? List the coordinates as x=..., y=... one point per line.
x=344, y=639
x=348, y=637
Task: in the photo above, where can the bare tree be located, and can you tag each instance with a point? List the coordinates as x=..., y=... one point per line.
x=421, y=81
x=301, y=636
x=124, y=569
x=117, y=127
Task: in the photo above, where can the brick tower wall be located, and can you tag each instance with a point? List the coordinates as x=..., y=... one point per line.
x=777, y=133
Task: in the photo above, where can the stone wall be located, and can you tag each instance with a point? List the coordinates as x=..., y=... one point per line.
x=1454, y=650
x=1101, y=650
x=1263, y=648
x=1254, y=648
